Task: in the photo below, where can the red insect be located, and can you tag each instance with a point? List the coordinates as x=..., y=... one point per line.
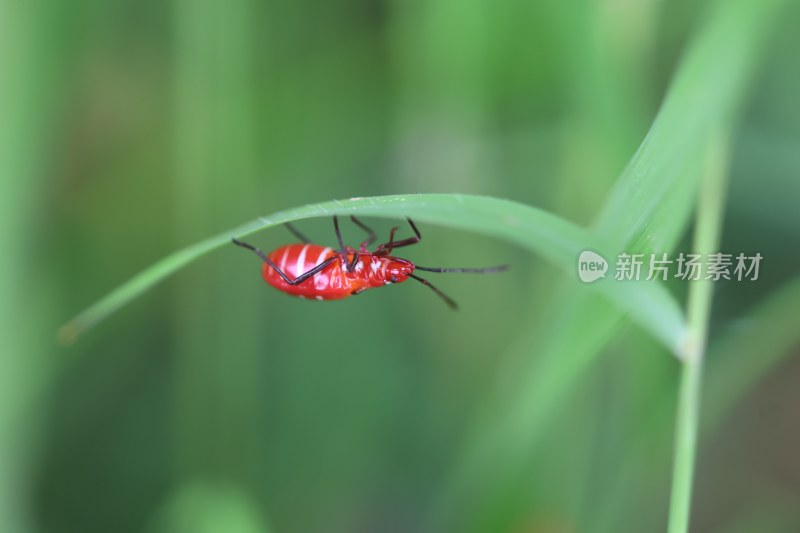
x=312, y=271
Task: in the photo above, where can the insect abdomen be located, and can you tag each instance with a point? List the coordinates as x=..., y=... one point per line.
x=296, y=259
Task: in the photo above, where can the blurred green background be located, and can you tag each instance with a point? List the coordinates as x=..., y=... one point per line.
x=214, y=403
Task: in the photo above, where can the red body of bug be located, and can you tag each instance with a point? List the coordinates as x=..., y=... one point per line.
x=333, y=282
x=317, y=272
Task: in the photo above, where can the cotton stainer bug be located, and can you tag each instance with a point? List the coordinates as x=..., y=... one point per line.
x=311, y=271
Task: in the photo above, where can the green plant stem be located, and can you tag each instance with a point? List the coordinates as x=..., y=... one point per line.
x=710, y=210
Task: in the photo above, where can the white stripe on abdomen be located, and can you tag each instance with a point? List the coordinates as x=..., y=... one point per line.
x=283, y=259
x=322, y=255
x=301, y=261
x=320, y=259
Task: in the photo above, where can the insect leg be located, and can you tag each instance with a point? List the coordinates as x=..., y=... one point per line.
x=305, y=275
x=370, y=238
x=386, y=248
x=352, y=265
x=296, y=281
x=297, y=233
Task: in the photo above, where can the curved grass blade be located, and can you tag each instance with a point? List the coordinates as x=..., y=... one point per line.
x=647, y=211
x=555, y=239
x=739, y=357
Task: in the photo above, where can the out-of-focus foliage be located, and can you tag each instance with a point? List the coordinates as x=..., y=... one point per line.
x=130, y=129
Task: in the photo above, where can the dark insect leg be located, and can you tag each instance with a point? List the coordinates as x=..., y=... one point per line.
x=338, y=234
x=443, y=296
x=386, y=248
x=297, y=233
x=296, y=281
x=305, y=275
x=352, y=265
x=370, y=238
x=485, y=270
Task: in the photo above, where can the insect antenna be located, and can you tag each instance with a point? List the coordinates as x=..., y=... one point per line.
x=453, y=305
x=486, y=270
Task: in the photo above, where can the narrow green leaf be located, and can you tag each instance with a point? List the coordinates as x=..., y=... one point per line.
x=647, y=211
x=739, y=357
x=555, y=239
x=653, y=198
x=710, y=212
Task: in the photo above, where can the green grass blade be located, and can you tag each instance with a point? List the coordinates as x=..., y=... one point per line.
x=770, y=330
x=710, y=210
x=653, y=198
x=554, y=238
x=647, y=211
x=36, y=55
